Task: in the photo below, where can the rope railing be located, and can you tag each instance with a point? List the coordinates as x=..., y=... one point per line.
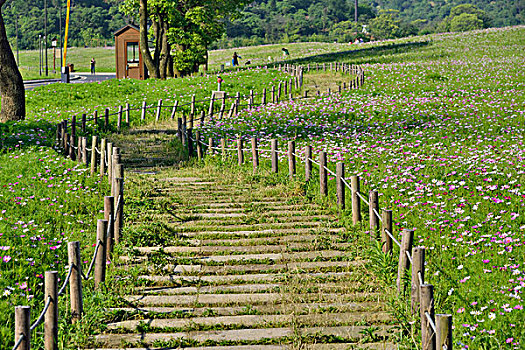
x=86, y=276
x=66, y=281
x=393, y=238
x=430, y=321
x=42, y=314
x=20, y=340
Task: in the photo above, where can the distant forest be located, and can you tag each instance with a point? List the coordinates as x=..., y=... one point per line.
x=93, y=22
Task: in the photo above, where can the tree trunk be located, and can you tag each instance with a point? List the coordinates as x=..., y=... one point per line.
x=171, y=72
x=12, y=91
x=164, y=47
x=144, y=47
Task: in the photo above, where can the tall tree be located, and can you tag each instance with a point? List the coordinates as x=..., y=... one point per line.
x=11, y=84
x=187, y=27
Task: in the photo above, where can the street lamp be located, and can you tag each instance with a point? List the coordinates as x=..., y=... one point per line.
x=54, y=45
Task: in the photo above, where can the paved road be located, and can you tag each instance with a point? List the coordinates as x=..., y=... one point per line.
x=76, y=78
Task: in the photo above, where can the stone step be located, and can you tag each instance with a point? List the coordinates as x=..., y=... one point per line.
x=291, y=267
x=252, y=278
x=222, y=249
x=327, y=346
x=204, y=299
x=256, y=321
x=235, y=288
x=296, y=308
x=198, y=225
x=263, y=233
x=235, y=347
x=239, y=299
x=221, y=219
x=299, y=208
x=285, y=334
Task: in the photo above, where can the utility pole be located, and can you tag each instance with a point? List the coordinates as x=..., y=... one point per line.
x=45, y=34
x=356, y=10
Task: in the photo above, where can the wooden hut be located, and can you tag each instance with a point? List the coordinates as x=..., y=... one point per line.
x=129, y=63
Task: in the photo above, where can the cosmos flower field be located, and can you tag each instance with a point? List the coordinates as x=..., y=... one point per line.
x=439, y=132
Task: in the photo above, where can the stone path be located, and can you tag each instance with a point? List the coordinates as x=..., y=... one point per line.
x=240, y=264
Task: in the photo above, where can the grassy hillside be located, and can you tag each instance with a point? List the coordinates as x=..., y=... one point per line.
x=437, y=130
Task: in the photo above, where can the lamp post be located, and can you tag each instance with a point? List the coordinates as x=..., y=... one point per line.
x=54, y=45
x=40, y=54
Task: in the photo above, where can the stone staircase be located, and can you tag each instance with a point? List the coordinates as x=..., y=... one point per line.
x=239, y=263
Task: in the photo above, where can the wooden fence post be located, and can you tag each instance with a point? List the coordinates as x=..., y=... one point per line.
x=273, y=93
x=279, y=89
x=184, y=129
x=103, y=145
x=223, y=148
x=75, y=281
x=418, y=267
x=51, y=315
x=174, y=110
x=95, y=118
x=83, y=122
x=356, y=201
x=79, y=149
x=189, y=137
x=203, y=117
x=291, y=158
x=386, y=240
x=22, y=326
x=179, y=129
x=323, y=174
x=127, y=114
x=192, y=106
x=159, y=110
x=116, y=168
x=255, y=155
x=308, y=163
x=74, y=126
x=404, y=263
x=100, y=259
x=198, y=144
x=373, y=208
x=251, y=99
x=84, y=151
x=428, y=337
x=240, y=153
x=109, y=215
x=94, y=141
x=274, y=156
x=143, y=111
x=119, y=118
x=340, y=174
x=119, y=209
x=237, y=102
x=109, y=156
x=106, y=119
x=263, y=102
x=210, y=145
x=444, y=332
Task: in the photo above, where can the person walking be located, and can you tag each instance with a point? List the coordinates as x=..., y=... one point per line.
x=235, y=59
x=93, y=62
